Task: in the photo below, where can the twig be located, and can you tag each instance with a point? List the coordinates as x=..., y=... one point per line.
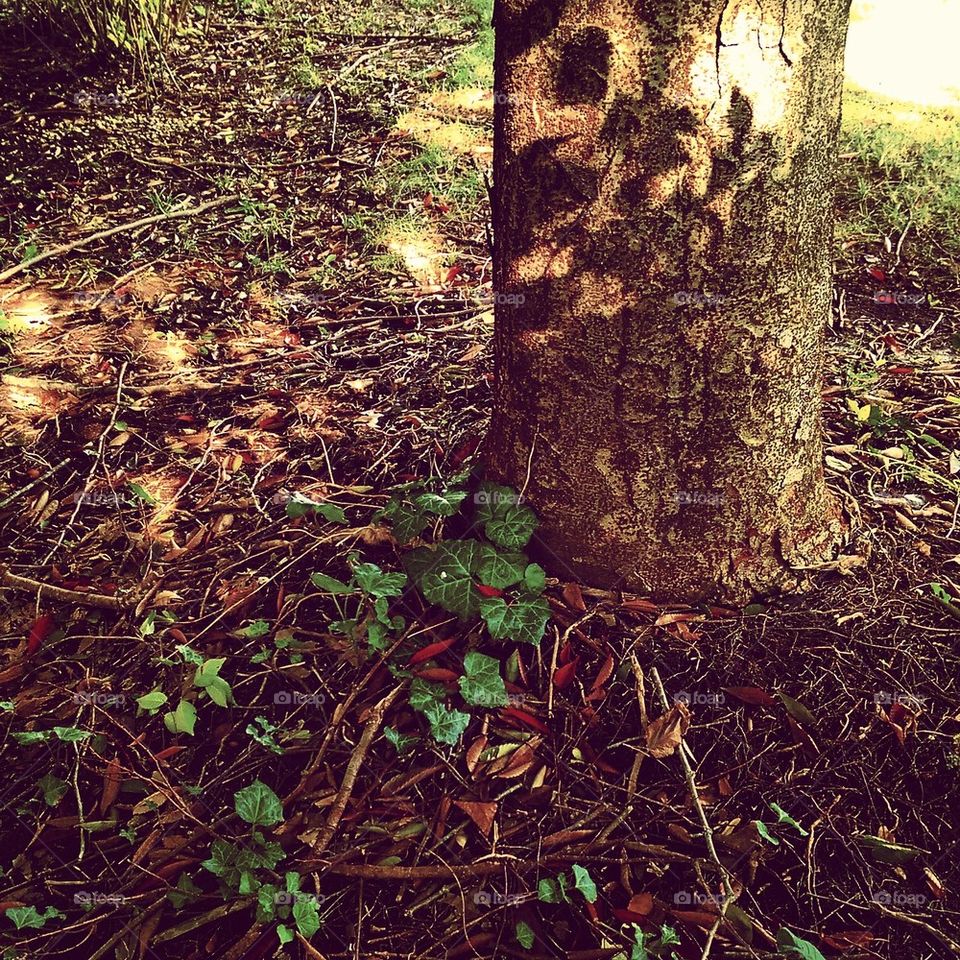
x=50, y=592
x=112, y=231
x=950, y=944
x=353, y=768
x=24, y=490
x=729, y=894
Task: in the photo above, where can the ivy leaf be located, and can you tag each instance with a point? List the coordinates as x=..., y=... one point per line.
x=27, y=737
x=330, y=584
x=443, y=505
x=493, y=501
x=258, y=804
x=28, y=917
x=523, y=621
x=525, y=935
x=299, y=506
x=446, y=724
x=548, y=891
x=790, y=945
x=307, y=916
x=424, y=694
x=500, y=569
x=259, y=628
x=401, y=742
x=535, y=578
x=444, y=575
x=283, y=931
x=53, y=789
x=482, y=685
x=71, y=734
x=514, y=528
x=183, y=719
x=375, y=583
x=584, y=883
x=208, y=671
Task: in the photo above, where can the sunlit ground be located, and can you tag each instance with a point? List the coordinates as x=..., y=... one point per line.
x=906, y=49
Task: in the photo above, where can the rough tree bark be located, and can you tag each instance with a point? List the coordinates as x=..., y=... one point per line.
x=663, y=221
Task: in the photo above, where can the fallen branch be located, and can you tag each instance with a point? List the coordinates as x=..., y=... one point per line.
x=50, y=592
x=353, y=768
x=112, y=231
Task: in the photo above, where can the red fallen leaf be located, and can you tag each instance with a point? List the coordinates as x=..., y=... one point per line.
x=528, y=719
x=573, y=596
x=591, y=756
x=891, y=341
x=639, y=606
x=844, y=940
x=902, y=371
x=177, y=634
x=700, y=917
x=474, y=751
x=453, y=273
x=486, y=591
x=430, y=651
x=438, y=675
x=271, y=421
x=465, y=450
x=292, y=339
x=40, y=629
x=592, y=912
x=606, y=671
x=641, y=904
x=566, y=653
x=167, y=752
x=428, y=200
x=751, y=695
x=564, y=675
x=173, y=868
x=876, y=273
x=481, y=814
x=111, y=785
x=628, y=916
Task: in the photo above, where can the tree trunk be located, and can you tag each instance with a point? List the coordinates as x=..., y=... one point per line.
x=663, y=218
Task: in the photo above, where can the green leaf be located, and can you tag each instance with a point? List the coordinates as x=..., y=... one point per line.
x=482, y=685
x=375, y=583
x=307, y=916
x=408, y=523
x=584, y=883
x=291, y=881
x=299, y=506
x=71, y=734
x=797, y=710
x=790, y=945
x=535, y=578
x=785, y=817
x=28, y=917
x=219, y=692
x=330, y=584
x=424, y=694
x=27, y=737
x=401, y=742
x=142, y=494
x=548, y=891
x=152, y=701
x=259, y=628
x=445, y=575
x=183, y=719
x=53, y=789
x=208, y=671
x=765, y=833
x=514, y=528
x=523, y=621
x=500, y=568
x=283, y=931
x=493, y=501
x=186, y=892
x=445, y=505
x=258, y=804
x=266, y=902
x=446, y=725
x=8, y=706
x=525, y=935
x=887, y=852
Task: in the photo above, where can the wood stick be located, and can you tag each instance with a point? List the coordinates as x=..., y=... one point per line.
x=51, y=592
x=112, y=231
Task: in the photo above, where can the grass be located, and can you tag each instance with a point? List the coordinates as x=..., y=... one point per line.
x=906, y=169
x=474, y=66
x=432, y=171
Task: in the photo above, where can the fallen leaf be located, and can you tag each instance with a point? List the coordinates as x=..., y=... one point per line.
x=665, y=733
x=481, y=814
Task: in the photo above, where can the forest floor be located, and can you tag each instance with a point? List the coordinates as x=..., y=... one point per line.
x=211, y=684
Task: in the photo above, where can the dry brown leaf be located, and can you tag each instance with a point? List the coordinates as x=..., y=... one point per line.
x=642, y=904
x=481, y=814
x=665, y=733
